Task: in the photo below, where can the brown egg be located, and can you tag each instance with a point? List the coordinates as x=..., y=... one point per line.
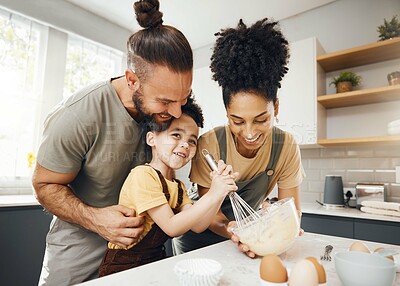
x=303, y=273
x=359, y=246
x=320, y=269
x=388, y=257
x=272, y=269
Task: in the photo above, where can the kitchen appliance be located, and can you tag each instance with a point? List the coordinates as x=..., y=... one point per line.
x=369, y=192
x=333, y=191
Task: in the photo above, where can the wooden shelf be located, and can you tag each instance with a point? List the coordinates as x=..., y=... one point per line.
x=362, y=55
x=358, y=97
x=381, y=140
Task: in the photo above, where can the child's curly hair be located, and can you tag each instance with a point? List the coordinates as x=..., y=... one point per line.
x=250, y=59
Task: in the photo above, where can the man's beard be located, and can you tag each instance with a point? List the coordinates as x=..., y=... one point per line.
x=149, y=122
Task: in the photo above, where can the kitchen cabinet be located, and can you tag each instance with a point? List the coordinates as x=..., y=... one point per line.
x=23, y=240
x=329, y=225
x=355, y=57
x=363, y=229
x=299, y=111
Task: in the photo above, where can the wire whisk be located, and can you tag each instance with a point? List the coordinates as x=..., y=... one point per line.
x=242, y=211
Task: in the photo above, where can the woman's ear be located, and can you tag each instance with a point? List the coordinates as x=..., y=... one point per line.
x=150, y=136
x=276, y=107
x=132, y=80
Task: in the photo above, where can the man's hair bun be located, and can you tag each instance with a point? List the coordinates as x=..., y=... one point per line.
x=148, y=14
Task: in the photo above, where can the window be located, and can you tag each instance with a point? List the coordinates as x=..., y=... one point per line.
x=88, y=63
x=20, y=68
x=23, y=50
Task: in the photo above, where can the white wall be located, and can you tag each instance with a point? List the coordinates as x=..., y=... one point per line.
x=65, y=16
x=338, y=25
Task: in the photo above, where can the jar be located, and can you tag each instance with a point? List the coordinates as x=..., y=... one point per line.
x=394, y=78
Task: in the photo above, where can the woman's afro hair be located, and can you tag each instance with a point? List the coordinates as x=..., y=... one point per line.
x=250, y=59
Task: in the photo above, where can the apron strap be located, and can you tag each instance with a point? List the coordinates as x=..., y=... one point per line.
x=278, y=138
x=166, y=192
x=221, y=138
x=180, y=193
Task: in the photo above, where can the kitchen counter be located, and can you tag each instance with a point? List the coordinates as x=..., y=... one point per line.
x=315, y=208
x=238, y=269
x=18, y=200
x=309, y=208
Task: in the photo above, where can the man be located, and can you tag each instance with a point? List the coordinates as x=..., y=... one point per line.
x=93, y=139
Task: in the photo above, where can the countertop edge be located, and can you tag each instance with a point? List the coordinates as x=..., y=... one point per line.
x=316, y=209
x=18, y=201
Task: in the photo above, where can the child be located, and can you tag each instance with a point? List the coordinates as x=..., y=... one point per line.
x=154, y=193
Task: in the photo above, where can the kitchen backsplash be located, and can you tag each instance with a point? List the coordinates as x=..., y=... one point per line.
x=367, y=164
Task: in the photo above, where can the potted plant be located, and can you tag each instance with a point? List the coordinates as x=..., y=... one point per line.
x=345, y=81
x=389, y=29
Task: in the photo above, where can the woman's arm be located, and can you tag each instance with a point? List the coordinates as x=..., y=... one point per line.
x=292, y=192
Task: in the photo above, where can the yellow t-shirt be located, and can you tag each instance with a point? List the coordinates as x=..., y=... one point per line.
x=142, y=190
x=288, y=173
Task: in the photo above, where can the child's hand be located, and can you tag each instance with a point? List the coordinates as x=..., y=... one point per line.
x=223, y=181
x=223, y=184
x=225, y=170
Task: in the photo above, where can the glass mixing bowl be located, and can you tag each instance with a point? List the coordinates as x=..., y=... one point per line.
x=273, y=231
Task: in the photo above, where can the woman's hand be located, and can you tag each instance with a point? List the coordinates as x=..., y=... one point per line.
x=223, y=180
x=242, y=247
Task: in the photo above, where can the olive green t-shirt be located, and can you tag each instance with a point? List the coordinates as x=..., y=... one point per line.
x=92, y=134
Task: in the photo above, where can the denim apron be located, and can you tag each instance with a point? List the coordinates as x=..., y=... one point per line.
x=253, y=191
x=149, y=249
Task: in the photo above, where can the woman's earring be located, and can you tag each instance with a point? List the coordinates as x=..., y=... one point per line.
x=277, y=119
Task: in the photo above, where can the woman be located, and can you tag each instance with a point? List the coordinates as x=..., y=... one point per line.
x=248, y=63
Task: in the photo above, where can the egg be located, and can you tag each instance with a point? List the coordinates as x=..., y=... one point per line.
x=320, y=269
x=303, y=274
x=359, y=246
x=272, y=269
x=388, y=257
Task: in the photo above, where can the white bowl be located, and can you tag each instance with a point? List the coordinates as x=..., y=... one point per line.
x=364, y=269
x=274, y=231
x=198, y=272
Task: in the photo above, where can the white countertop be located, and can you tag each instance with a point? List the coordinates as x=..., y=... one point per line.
x=18, y=200
x=315, y=208
x=238, y=269
x=308, y=208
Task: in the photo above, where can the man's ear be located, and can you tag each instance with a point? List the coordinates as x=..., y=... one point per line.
x=276, y=107
x=150, y=138
x=132, y=80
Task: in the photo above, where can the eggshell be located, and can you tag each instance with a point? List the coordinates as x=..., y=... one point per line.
x=320, y=269
x=303, y=273
x=359, y=246
x=272, y=269
x=388, y=257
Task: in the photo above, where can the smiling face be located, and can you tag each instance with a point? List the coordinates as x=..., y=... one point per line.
x=176, y=146
x=251, y=119
x=162, y=94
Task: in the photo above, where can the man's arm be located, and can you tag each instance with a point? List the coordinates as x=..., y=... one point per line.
x=116, y=224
